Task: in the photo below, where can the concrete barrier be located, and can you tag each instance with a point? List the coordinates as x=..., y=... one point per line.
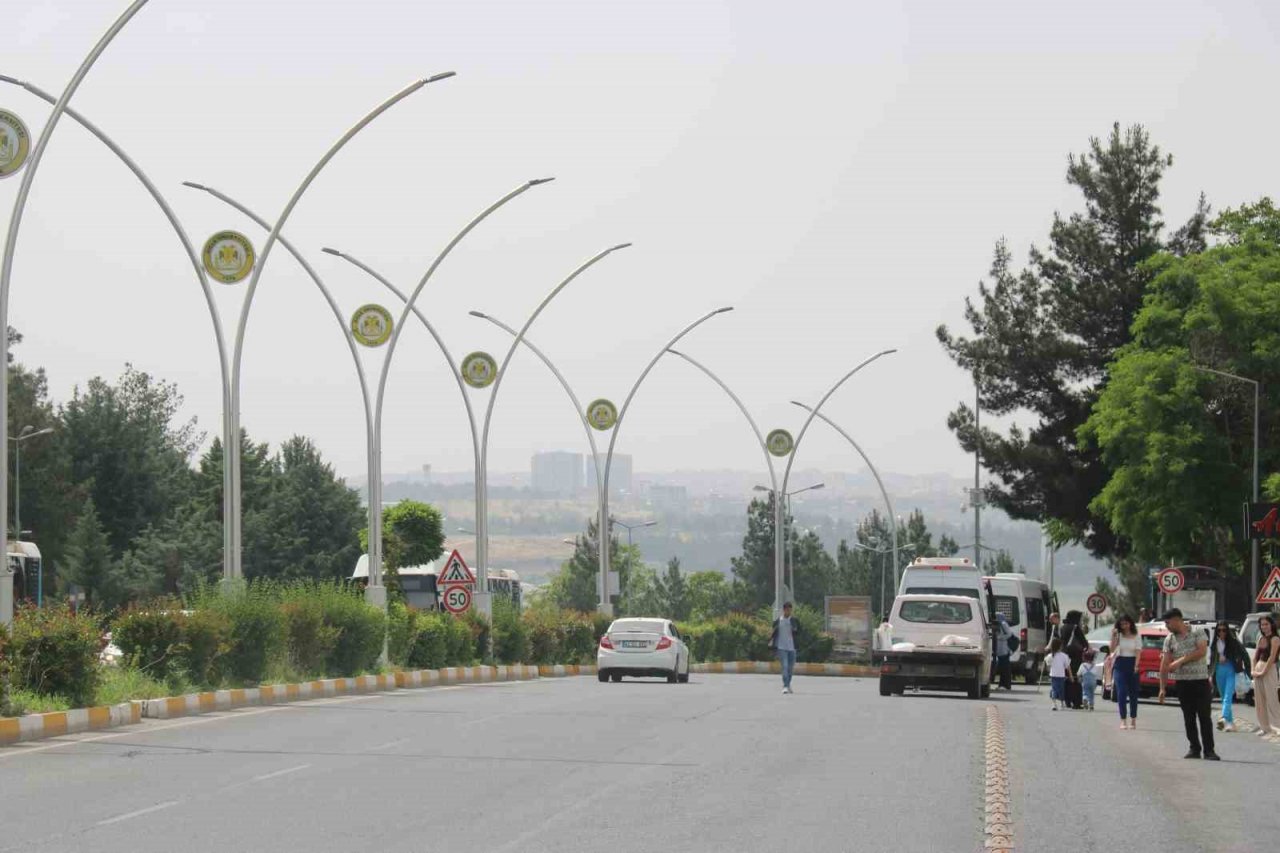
x=832, y=670
x=54, y=723
x=37, y=726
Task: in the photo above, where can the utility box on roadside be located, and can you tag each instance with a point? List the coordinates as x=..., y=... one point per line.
x=6, y=596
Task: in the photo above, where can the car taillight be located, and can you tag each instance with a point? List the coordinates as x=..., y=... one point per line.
x=605, y=642
x=664, y=643
x=1023, y=638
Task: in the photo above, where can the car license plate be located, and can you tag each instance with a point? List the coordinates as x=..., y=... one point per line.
x=1153, y=675
x=634, y=644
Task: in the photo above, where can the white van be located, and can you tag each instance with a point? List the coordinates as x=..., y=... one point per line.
x=1026, y=604
x=943, y=576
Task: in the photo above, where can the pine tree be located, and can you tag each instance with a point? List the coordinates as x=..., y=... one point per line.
x=88, y=559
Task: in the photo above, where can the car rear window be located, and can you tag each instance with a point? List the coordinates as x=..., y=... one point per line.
x=936, y=612
x=943, y=590
x=1152, y=641
x=1249, y=637
x=636, y=626
x=1008, y=605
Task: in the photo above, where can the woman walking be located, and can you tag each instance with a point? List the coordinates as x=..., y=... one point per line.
x=1264, y=677
x=1074, y=644
x=1226, y=658
x=1125, y=645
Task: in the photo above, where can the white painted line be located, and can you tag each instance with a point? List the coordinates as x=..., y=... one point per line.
x=389, y=744
x=138, y=813
x=264, y=777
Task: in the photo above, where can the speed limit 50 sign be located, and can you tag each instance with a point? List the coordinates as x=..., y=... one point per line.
x=457, y=598
x=1170, y=581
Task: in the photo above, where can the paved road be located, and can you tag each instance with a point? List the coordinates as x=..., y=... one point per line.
x=724, y=763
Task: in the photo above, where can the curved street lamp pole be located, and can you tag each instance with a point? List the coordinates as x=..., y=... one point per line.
x=482, y=558
x=228, y=442
x=11, y=245
x=791, y=458
x=273, y=237
x=375, y=486
x=606, y=607
x=884, y=493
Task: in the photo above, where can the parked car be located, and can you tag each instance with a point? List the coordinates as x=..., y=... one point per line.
x=1153, y=634
x=939, y=642
x=1100, y=640
x=642, y=648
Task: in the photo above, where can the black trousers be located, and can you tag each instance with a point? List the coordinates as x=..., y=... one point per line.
x=1195, y=697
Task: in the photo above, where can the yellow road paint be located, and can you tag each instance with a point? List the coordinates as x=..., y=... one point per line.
x=998, y=823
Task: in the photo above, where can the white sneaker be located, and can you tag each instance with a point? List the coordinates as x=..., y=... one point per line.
x=787, y=690
x=1229, y=727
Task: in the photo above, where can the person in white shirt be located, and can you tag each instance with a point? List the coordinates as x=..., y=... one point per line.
x=1125, y=645
x=1059, y=672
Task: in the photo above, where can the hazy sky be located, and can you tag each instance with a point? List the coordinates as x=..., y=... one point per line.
x=837, y=171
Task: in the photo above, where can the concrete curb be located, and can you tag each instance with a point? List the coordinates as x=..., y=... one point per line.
x=54, y=723
x=837, y=670
x=38, y=726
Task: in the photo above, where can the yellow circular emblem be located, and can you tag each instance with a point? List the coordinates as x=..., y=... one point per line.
x=479, y=370
x=15, y=143
x=228, y=256
x=371, y=325
x=602, y=415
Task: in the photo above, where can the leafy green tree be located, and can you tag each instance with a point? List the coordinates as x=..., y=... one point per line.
x=815, y=572
x=89, y=560
x=1001, y=564
x=412, y=534
x=577, y=585
x=129, y=450
x=643, y=595
x=755, y=568
x=673, y=588
x=1177, y=440
x=1043, y=338
x=712, y=595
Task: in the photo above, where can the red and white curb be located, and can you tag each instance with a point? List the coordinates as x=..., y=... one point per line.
x=998, y=825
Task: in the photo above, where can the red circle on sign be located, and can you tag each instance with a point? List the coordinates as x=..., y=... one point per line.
x=1096, y=603
x=457, y=599
x=1170, y=581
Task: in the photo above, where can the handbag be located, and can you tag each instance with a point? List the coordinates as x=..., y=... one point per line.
x=1260, y=668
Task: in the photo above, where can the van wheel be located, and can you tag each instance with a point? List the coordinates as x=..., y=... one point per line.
x=886, y=689
x=975, y=689
x=1032, y=675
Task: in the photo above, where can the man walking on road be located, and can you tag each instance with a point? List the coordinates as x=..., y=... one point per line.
x=1185, y=660
x=783, y=640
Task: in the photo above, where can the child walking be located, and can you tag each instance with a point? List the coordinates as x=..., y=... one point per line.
x=1088, y=678
x=1059, y=672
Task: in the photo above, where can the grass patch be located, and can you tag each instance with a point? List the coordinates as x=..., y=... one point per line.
x=28, y=702
x=122, y=683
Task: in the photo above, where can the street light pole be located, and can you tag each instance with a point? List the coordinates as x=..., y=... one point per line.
x=11, y=245
x=606, y=607
x=631, y=527
x=1257, y=415
x=28, y=432
x=791, y=458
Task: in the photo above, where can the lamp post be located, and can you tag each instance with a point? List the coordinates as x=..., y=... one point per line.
x=1257, y=414
x=791, y=458
x=28, y=433
x=630, y=527
x=606, y=607
x=884, y=493
x=229, y=442
x=11, y=245
x=884, y=576
x=786, y=520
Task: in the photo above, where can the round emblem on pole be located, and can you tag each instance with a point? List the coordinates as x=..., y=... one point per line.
x=15, y=143
x=479, y=370
x=228, y=256
x=371, y=325
x=1170, y=581
x=780, y=442
x=602, y=415
x=1096, y=603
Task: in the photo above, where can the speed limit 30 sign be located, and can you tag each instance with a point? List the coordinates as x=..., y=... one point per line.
x=1096, y=603
x=457, y=598
x=1170, y=581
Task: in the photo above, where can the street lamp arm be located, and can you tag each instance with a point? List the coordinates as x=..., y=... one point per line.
x=564, y=383
x=1224, y=373
x=11, y=244
x=746, y=413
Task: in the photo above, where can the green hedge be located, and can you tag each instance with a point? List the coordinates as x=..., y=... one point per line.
x=54, y=651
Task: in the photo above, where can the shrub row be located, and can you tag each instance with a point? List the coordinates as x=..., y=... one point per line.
x=53, y=650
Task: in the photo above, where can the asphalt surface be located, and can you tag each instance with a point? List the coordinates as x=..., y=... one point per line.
x=724, y=763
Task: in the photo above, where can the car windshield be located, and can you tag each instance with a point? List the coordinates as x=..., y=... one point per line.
x=1153, y=641
x=636, y=626
x=1249, y=636
x=936, y=612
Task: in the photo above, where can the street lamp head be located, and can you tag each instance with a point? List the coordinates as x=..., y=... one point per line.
x=480, y=314
x=443, y=75
x=650, y=524
x=724, y=310
x=195, y=186
x=330, y=251
x=26, y=430
x=620, y=246
x=762, y=489
x=536, y=181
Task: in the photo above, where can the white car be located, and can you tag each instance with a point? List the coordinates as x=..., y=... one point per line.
x=642, y=648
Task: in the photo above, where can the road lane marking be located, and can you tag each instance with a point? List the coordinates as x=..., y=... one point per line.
x=138, y=813
x=389, y=744
x=265, y=776
x=998, y=826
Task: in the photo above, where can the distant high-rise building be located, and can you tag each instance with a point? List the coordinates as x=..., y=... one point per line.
x=619, y=473
x=669, y=498
x=557, y=473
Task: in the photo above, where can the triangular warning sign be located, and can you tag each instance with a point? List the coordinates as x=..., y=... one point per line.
x=1270, y=592
x=455, y=571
